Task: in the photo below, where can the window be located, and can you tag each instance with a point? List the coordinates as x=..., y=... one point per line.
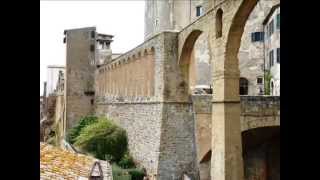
x=271, y=58
x=91, y=47
x=278, y=21
x=219, y=23
x=278, y=55
x=243, y=86
x=271, y=28
x=93, y=34
x=257, y=36
x=259, y=80
x=156, y=22
x=199, y=11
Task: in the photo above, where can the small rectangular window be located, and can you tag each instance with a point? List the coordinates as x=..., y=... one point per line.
x=271, y=58
x=259, y=80
x=93, y=34
x=278, y=55
x=91, y=47
x=257, y=36
x=199, y=11
x=278, y=21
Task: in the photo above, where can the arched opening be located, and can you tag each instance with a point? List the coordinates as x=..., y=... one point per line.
x=219, y=23
x=187, y=61
x=261, y=153
x=195, y=67
x=228, y=70
x=243, y=86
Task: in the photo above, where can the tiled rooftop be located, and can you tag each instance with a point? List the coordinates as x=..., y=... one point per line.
x=58, y=164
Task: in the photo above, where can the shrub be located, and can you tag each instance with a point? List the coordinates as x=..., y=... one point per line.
x=103, y=139
x=75, y=131
x=130, y=174
x=136, y=174
x=126, y=161
x=118, y=171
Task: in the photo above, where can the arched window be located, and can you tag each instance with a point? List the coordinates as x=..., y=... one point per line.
x=219, y=23
x=243, y=86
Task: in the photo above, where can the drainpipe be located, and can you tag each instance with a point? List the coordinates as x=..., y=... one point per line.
x=264, y=62
x=190, y=11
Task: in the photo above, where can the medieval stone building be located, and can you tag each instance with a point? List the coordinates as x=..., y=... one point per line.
x=254, y=48
x=150, y=90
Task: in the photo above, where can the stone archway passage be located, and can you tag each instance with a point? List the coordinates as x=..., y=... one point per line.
x=261, y=153
x=227, y=163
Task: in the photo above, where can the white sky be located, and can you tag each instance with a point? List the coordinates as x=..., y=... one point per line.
x=123, y=19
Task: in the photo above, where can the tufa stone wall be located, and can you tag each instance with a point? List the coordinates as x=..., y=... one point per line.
x=142, y=121
x=130, y=77
x=177, y=146
x=160, y=131
x=259, y=111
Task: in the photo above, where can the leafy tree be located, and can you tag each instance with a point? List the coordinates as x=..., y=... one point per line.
x=103, y=139
x=75, y=131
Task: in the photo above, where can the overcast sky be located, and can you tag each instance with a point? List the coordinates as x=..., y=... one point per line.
x=123, y=19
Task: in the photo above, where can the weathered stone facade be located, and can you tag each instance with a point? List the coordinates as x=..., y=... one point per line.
x=160, y=131
x=272, y=48
x=251, y=53
x=142, y=121
x=80, y=67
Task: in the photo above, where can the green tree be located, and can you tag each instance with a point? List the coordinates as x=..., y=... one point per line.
x=103, y=139
x=75, y=131
x=267, y=78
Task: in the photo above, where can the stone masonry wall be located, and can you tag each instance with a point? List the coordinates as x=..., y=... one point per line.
x=177, y=146
x=142, y=121
x=259, y=111
x=160, y=130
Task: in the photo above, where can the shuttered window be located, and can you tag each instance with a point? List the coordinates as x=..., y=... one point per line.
x=278, y=55
x=257, y=36
x=271, y=58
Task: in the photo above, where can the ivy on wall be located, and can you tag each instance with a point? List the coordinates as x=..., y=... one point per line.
x=267, y=78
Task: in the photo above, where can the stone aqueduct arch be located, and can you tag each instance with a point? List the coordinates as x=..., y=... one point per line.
x=226, y=159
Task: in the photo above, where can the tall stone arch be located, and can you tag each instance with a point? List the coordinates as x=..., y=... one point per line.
x=186, y=61
x=226, y=160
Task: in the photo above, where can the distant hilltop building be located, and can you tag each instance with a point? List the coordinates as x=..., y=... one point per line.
x=53, y=72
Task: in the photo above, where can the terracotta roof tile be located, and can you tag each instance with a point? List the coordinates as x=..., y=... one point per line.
x=56, y=163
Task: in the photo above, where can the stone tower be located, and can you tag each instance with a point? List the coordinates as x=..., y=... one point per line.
x=161, y=16
x=80, y=67
x=171, y=14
